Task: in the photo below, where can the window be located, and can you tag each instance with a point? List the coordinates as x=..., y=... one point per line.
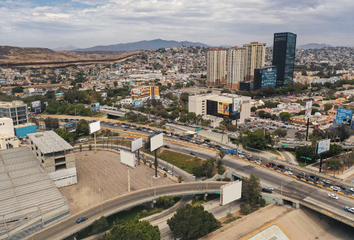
x=60, y=167
x=60, y=160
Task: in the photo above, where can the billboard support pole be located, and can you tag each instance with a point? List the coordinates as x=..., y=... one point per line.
x=138, y=157
x=95, y=142
x=321, y=163
x=307, y=129
x=156, y=163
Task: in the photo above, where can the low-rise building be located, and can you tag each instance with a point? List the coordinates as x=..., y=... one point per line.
x=56, y=156
x=23, y=130
x=220, y=106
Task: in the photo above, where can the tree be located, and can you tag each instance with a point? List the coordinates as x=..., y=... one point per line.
x=245, y=208
x=80, y=147
x=165, y=201
x=251, y=190
x=256, y=139
x=285, y=116
x=133, y=230
x=90, y=147
x=222, y=154
x=306, y=151
x=206, y=169
x=299, y=136
x=280, y=132
x=180, y=178
x=192, y=222
x=328, y=106
x=100, y=225
x=18, y=89
x=83, y=128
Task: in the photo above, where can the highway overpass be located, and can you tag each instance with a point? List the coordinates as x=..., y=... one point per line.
x=68, y=226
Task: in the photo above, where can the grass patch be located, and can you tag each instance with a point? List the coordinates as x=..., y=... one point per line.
x=199, y=199
x=99, y=114
x=273, y=151
x=231, y=219
x=122, y=119
x=180, y=160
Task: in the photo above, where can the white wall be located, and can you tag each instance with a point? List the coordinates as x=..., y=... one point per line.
x=230, y=192
x=6, y=126
x=64, y=177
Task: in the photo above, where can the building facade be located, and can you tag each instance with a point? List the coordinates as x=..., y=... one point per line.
x=216, y=67
x=284, y=47
x=254, y=58
x=214, y=106
x=55, y=155
x=16, y=110
x=265, y=76
x=145, y=92
x=235, y=67
x=6, y=126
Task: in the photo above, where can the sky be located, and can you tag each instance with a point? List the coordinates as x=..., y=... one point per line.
x=87, y=23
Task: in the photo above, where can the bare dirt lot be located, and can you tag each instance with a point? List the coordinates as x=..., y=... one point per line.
x=101, y=177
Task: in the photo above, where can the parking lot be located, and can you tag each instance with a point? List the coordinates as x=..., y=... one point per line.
x=101, y=177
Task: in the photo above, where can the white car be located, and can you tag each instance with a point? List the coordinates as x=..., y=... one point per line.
x=192, y=175
x=269, y=187
x=332, y=196
x=349, y=209
x=289, y=172
x=335, y=188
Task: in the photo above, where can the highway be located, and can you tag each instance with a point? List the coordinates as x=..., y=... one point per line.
x=69, y=226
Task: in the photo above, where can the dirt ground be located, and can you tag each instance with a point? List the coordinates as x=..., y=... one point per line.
x=101, y=177
x=297, y=224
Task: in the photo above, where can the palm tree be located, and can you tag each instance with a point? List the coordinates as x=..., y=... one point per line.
x=222, y=154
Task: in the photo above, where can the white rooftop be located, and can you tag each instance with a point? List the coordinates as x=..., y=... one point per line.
x=49, y=142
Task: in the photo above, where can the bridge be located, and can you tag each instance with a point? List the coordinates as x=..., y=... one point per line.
x=68, y=226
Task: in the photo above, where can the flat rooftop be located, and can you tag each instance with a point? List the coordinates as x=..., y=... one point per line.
x=49, y=142
x=26, y=191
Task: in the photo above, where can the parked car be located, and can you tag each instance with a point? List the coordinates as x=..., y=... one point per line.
x=335, y=188
x=349, y=209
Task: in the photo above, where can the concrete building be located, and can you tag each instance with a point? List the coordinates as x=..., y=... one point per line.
x=254, y=58
x=8, y=141
x=16, y=110
x=216, y=67
x=145, y=92
x=55, y=155
x=28, y=198
x=235, y=67
x=216, y=106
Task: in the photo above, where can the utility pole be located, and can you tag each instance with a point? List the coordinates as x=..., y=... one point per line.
x=156, y=163
x=95, y=142
x=128, y=181
x=307, y=129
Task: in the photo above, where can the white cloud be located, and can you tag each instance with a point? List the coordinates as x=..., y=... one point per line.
x=213, y=22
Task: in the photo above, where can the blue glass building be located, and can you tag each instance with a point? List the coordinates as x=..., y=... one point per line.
x=265, y=76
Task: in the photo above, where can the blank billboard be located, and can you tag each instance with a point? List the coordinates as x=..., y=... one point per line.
x=94, y=127
x=137, y=144
x=156, y=142
x=127, y=158
x=230, y=192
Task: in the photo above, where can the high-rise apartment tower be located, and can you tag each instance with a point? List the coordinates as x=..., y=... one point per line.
x=254, y=58
x=235, y=67
x=216, y=67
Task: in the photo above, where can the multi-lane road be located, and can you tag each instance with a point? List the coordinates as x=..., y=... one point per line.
x=69, y=226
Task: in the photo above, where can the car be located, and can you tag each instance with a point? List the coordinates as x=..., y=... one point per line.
x=350, y=189
x=289, y=172
x=267, y=189
x=332, y=196
x=326, y=181
x=82, y=219
x=192, y=153
x=335, y=188
x=320, y=183
x=166, y=146
x=349, y=209
x=192, y=175
x=170, y=172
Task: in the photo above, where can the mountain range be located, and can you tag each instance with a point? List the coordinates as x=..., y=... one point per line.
x=142, y=45
x=313, y=46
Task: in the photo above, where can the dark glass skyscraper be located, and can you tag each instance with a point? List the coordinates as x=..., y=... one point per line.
x=284, y=47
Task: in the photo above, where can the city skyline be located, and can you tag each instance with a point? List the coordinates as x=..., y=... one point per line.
x=87, y=23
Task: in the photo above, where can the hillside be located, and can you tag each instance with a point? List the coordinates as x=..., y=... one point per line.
x=143, y=45
x=10, y=54
x=313, y=46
